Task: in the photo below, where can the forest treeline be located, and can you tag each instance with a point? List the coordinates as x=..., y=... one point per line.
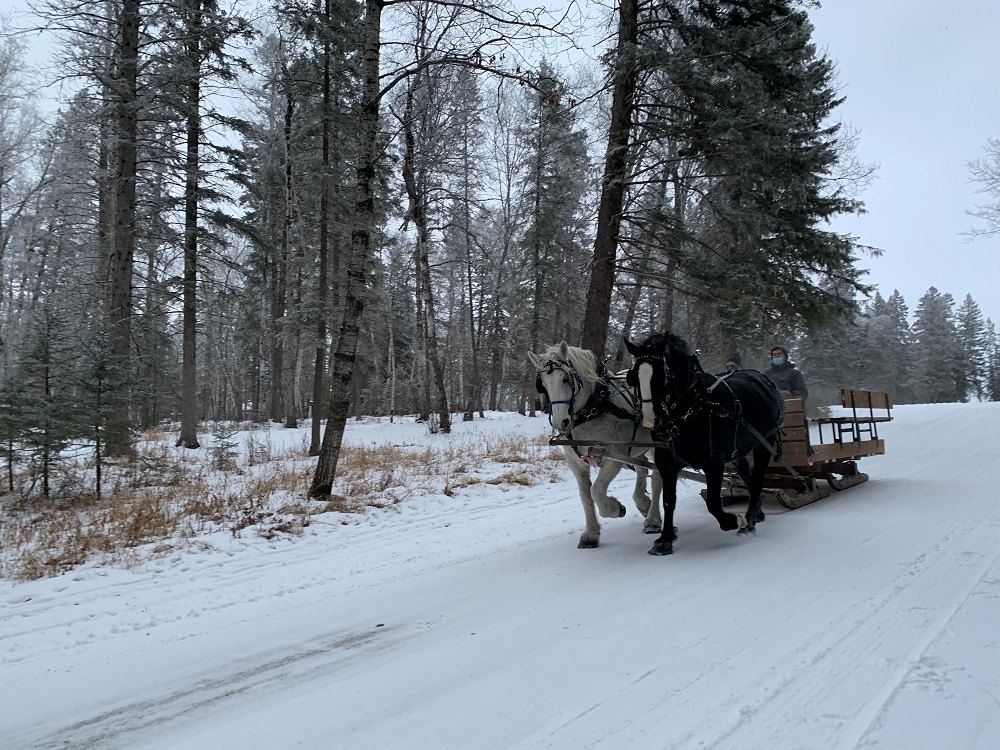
x=336, y=208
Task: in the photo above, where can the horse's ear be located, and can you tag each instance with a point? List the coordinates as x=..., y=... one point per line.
x=631, y=348
x=535, y=359
x=563, y=350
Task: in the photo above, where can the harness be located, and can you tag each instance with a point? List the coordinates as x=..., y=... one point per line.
x=696, y=399
x=599, y=403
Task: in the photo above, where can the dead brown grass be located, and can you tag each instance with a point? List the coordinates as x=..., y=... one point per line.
x=161, y=501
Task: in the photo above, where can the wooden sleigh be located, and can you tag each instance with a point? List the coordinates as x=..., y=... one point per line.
x=794, y=481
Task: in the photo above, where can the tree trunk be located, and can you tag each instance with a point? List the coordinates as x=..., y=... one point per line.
x=609, y=213
x=120, y=266
x=418, y=213
x=189, y=387
x=324, y=239
x=354, y=298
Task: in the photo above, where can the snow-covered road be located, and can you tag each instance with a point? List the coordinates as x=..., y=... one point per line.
x=870, y=619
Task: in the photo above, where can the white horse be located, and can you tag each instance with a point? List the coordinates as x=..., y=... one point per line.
x=583, y=405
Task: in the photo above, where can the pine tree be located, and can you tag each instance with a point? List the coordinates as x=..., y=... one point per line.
x=51, y=413
x=13, y=423
x=936, y=374
x=887, y=356
x=734, y=113
x=555, y=186
x=100, y=382
x=992, y=387
x=972, y=340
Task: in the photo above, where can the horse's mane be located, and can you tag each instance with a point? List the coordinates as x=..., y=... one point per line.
x=583, y=361
x=675, y=345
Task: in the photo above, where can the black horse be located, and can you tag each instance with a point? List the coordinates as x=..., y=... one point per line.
x=708, y=421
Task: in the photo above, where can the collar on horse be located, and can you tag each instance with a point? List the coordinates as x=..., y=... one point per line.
x=686, y=405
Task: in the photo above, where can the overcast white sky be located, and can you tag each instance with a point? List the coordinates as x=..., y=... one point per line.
x=922, y=83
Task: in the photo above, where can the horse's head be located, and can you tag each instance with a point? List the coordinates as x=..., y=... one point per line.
x=663, y=368
x=565, y=376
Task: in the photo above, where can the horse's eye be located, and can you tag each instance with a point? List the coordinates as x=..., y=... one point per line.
x=566, y=380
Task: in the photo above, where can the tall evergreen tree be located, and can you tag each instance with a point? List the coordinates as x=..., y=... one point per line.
x=46, y=368
x=936, y=373
x=973, y=344
x=992, y=362
x=734, y=107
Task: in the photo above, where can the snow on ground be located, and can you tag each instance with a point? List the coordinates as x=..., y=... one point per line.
x=867, y=620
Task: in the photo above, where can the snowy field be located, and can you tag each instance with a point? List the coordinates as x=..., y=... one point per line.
x=867, y=620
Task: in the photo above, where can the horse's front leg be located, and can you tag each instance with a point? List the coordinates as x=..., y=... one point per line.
x=608, y=506
x=639, y=495
x=654, y=521
x=667, y=470
x=713, y=500
x=591, y=536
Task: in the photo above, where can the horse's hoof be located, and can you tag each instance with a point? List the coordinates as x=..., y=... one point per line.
x=621, y=510
x=729, y=522
x=588, y=544
x=652, y=529
x=750, y=530
x=662, y=548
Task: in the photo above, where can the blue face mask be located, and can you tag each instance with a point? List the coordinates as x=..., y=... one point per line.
x=777, y=360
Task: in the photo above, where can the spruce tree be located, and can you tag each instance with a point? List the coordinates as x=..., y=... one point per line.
x=992, y=388
x=972, y=340
x=51, y=414
x=13, y=424
x=936, y=374
x=101, y=378
x=735, y=107
x=888, y=355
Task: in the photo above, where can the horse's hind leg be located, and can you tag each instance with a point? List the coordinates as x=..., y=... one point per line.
x=761, y=460
x=754, y=512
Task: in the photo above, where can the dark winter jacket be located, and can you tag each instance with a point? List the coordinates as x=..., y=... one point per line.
x=788, y=379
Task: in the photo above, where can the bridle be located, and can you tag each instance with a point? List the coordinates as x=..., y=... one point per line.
x=652, y=361
x=600, y=401
x=576, y=384
x=671, y=419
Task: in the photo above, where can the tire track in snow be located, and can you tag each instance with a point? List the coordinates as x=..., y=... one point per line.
x=367, y=549
x=811, y=677
x=873, y=708
x=114, y=728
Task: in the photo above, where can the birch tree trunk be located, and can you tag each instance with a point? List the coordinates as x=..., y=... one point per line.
x=354, y=298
